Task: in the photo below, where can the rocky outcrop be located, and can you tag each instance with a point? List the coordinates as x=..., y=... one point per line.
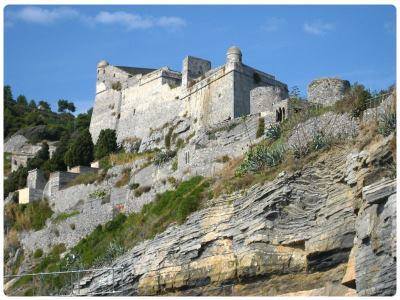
x=302, y=234
x=375, y=243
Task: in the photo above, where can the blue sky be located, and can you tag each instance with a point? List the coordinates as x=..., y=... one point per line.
x=51, y=52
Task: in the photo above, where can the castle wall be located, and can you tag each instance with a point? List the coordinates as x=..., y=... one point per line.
x=247, y=79
x=263, y=98
x=149, y=105
x=209, y=101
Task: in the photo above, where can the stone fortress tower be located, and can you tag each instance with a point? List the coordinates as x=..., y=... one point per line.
x=134, y=101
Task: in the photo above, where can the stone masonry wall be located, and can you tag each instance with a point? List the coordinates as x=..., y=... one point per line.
x=327, y=91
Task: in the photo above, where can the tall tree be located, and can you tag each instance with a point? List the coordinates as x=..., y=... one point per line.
x=80, y=151
x=106, y=144
x=21, y=100
x=8, y=93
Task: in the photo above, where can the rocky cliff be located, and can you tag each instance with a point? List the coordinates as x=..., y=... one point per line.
x=327, y=229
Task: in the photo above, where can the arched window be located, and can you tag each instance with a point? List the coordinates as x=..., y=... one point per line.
x=283, y=116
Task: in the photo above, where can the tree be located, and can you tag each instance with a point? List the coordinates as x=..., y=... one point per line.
x=43, y=105
x=80, y=151
x=32, y=104
x=21, y=100
x=64, y=105
x=57, y=162
x=106, y=144
x=7, y=93
x=40, y=158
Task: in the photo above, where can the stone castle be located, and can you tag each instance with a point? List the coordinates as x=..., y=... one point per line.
x=134, y=101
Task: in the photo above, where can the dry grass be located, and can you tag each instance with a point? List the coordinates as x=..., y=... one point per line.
x=85, y=178
x=126, y=175
x=125, y=158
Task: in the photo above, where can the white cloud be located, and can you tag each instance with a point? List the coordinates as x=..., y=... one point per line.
x=134, y=21
x=33, y=14
x=273, y=24
x=318, y=27
x=130, y=21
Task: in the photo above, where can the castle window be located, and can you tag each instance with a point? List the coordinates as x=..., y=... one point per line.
x=187, y=157
x=134, y=111
x=114, y=75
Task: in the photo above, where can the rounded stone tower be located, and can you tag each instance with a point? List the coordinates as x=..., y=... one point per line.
x=234, y=55
x=327, y=91
x=102, y=64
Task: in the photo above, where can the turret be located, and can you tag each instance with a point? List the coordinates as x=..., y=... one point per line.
x=234, y=55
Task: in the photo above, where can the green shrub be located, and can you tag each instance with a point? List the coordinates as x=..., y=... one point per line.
x=28, y=216
x=63, y=216
x=134, y=185
x=167, y=138
x=180, y=143
x=261, y=127
x=162, y=157
x=355, y=101
x=260, y=157
x=38, y=253
x=116, y=86
x=274, y=132
x=140, y=190
x=175, y=165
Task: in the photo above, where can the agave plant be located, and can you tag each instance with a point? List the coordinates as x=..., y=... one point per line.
x=273, y=132
x=260, y=157
x=387, y=123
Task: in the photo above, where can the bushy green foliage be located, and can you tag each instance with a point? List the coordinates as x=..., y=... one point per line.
x=16, y=180
x=124, y=232
x=64, y=105
x=38, y=253
x=23, y=117
x=106, y=143
x=80, y=152
x=260, y=128
x=64, y=215
x=260, y=157
x=163, y=157
x=273, y=132
x=27, y=216
x=356, y=100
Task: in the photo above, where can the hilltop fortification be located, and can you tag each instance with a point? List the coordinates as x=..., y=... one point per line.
x=133, y=101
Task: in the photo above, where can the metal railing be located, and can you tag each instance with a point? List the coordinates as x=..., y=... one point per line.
x=60, y=283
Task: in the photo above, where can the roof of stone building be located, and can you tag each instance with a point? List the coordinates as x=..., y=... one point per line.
x=134, y=70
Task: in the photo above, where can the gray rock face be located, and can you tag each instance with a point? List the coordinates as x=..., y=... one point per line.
x=15, y=143
x=375, y=243
x=327, y=91
x=273, y=238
